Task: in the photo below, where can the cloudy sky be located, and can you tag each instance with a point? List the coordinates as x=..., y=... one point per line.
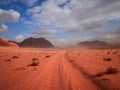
x=63, y=22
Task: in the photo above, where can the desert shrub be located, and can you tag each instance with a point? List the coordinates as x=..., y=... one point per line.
x=108, y=52
x=34, y=64
x=8, y=60
x=99, y=74
x=35, y=59
x=47, y=56
x=111, y=70
x=15, y=57
x=107, y=59
x=115, y=52
x=72, y=60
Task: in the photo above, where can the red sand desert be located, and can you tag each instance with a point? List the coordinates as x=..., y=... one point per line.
x=47, y=69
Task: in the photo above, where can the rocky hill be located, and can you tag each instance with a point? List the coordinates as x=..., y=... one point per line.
x=96, y=44
x=36, y=42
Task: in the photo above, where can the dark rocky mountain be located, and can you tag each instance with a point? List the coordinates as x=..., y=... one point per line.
x=6, y=43
x=115, y=45
x=97, y=45
x=36, y=43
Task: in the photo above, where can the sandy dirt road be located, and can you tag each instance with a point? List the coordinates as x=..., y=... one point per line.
x=58, y=74
x=54, y=73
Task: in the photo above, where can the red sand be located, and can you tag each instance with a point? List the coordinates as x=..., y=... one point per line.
x=57, y=69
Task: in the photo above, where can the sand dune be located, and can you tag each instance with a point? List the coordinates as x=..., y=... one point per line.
x=48, y=69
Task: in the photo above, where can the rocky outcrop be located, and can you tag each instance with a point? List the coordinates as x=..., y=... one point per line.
x=94, y=44
x=6, y=43
x=36, y=43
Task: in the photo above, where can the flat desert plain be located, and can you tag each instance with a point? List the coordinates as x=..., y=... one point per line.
x=53, y=69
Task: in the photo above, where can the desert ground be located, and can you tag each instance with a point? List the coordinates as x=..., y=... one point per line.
x=55, y=69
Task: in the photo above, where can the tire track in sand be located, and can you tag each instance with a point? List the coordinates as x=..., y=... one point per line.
x=58, y=74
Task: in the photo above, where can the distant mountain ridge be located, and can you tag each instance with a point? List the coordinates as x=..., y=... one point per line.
x=43, y=43
x=36, y=42
x=96, y=44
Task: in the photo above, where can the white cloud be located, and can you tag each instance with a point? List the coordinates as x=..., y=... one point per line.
x=77, y=16
x=19, y=38
x=94, y=25
x=9, y=15
x=29, y=2
x=76, y=12
x=3, y=28
x=36, y=9
x=43, y=32
x=111, y=36
x=49, y=13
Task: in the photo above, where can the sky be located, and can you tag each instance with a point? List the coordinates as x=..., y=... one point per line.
x=63, y=22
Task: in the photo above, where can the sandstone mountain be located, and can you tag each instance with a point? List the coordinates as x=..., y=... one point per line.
x=97, y=45
x=36, y=42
